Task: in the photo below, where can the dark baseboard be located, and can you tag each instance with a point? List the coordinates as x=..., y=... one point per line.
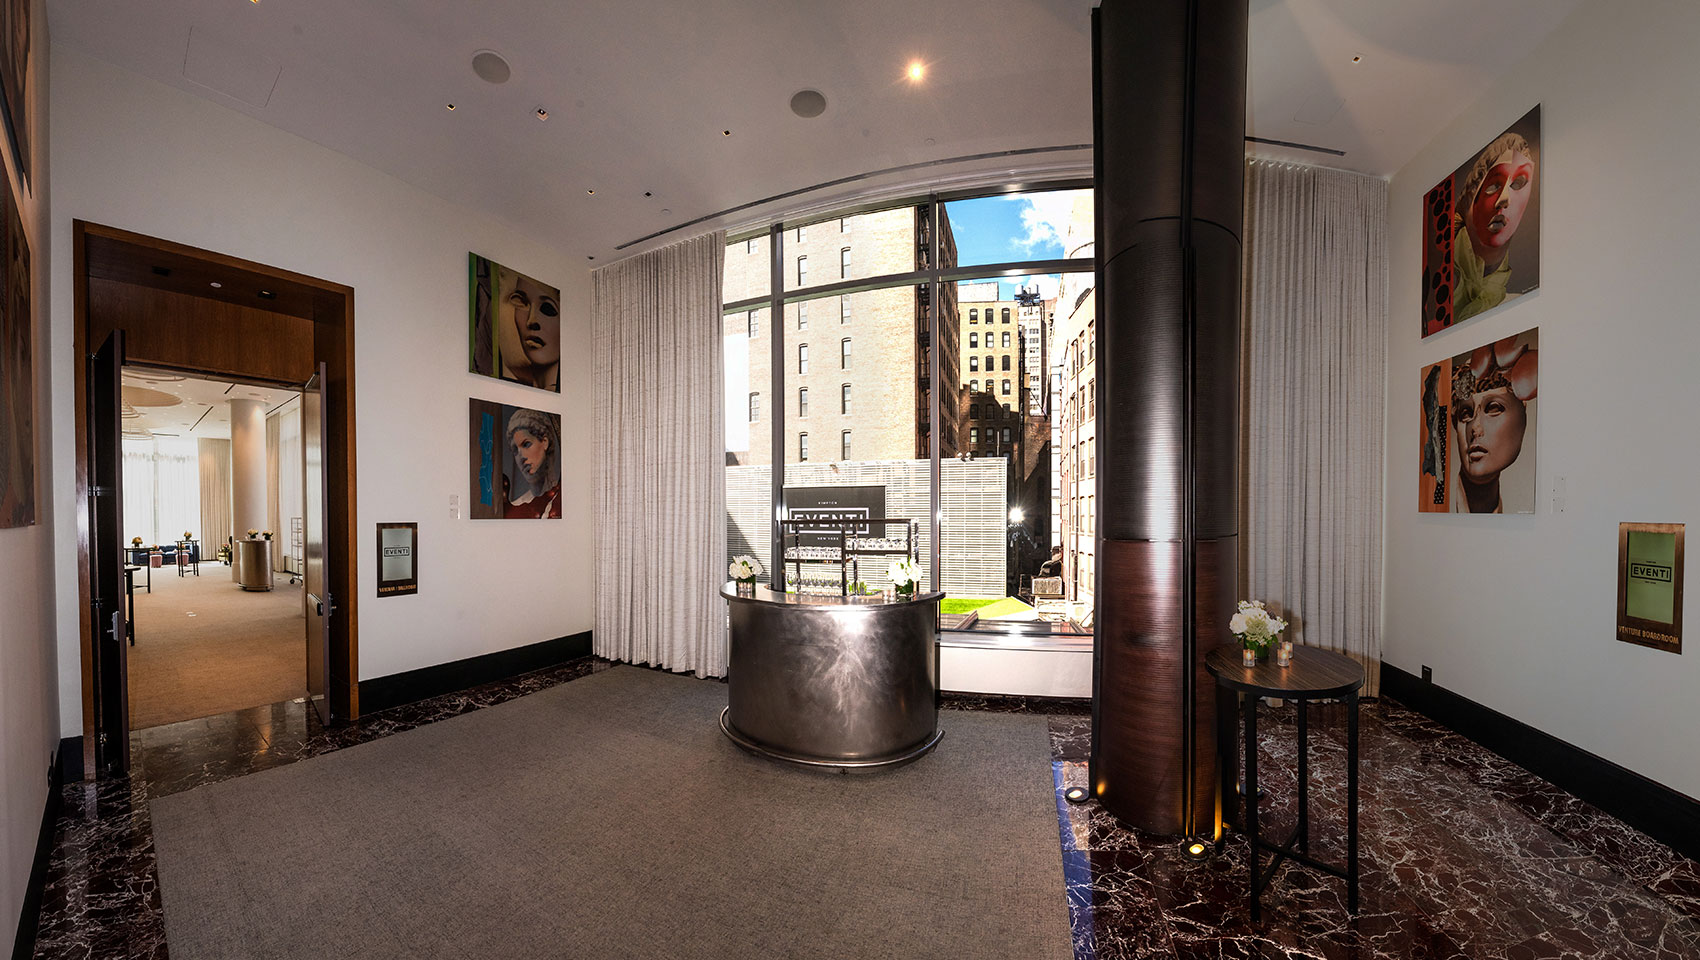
x=381, y=693
x=29, y=915
x=70, y=760
x=1664, y=814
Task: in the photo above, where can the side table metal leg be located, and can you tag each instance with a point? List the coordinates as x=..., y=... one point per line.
x=1352, y=803
x=1250, y=748
x=1227, y=755
x=1304, y=776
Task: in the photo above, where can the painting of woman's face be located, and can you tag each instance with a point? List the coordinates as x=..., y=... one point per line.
x=1488, y=430
x=1497, y=208
x=532, y=312
x=515, y=326
x=530, y=451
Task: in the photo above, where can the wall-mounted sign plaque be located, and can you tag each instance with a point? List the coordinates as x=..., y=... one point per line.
x=1649, y=585
x=398, y=559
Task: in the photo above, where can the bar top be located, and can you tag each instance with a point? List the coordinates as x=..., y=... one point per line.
x=775, y=598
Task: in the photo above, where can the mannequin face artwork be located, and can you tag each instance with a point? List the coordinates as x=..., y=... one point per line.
x=1497, y=209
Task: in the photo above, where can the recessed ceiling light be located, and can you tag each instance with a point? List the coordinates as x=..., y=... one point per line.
x=490, y=66
x=726, y=133
x=542, y=114
x=162, y=271
x=808, y=103
x=648, y=194
x=590, y=258
x=267, y=295
x=451, y=108
x=591, y=192
x=215, y=285
x=1357, y=59
x=917, y=70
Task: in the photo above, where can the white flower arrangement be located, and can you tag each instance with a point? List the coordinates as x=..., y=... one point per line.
x=904, y=574
x=1254, y=626
x=744, y=568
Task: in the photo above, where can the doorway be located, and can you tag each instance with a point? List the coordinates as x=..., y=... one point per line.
x=164, y=310
x=204, y=462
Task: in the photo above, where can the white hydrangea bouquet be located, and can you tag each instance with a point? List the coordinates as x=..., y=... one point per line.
x=905, y=574
x=1255, y=628
x=744, y=569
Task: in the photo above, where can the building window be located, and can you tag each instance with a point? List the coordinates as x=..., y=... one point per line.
x=844, y=354
x=1005, y=343
x=1091, y=339
x=974, y=315
x=802, y=271
x=802, y=358
x=844, y=309
x=755, y=407
x=844, y=400
x=1091, y=399
x=1006, y=361
x=844, y=262
x=803, y=315
x=843, y=225
x=802, y=446
x=973, y=434
x=1005, y=315
x=973, y=411
x=1091, y=456
x=991, y=364
x=973, y=341
x=844, y=445
x=750, y=245
x=1006, y=388
x=802, y=233
x=973, y=364
x=973, y=386
x=802, y=401
x=1006, y=434
x=753, y=323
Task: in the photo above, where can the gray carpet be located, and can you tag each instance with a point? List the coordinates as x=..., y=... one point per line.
x=608, y=817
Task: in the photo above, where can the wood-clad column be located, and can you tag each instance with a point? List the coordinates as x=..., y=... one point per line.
x=1169, y=91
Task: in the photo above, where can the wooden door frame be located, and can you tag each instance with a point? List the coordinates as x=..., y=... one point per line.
x=331, y=308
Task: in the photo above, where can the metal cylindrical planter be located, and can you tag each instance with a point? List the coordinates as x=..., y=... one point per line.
x=831, y=682
x=254, y=564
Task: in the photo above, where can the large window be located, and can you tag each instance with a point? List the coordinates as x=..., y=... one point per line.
x=1004, y=494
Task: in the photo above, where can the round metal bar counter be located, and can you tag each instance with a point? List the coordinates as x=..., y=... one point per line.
x=832, y=682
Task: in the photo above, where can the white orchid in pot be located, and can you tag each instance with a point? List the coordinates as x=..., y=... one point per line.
x=744, y=569
x=1255, y=628
x=904, y=574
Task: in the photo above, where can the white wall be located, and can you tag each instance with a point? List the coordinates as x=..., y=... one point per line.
x=1518, y=613
x=133, y=153
x=29, y=723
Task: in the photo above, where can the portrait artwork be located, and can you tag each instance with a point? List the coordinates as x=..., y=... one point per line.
x=1477, y=450
x=516, y=462
x=17, y=374
x=1481, y=229
x=515, y=326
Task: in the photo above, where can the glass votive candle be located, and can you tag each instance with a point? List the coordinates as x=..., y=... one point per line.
x=1284, y=654
x=1248, y=657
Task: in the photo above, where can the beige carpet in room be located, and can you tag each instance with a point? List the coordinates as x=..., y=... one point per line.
x=205, y=646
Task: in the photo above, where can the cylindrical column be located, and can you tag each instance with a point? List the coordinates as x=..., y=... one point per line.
x=247, y=472
x=1169, y=89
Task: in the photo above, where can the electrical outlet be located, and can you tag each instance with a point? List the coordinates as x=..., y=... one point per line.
x=454, y=506
x=1428, y=674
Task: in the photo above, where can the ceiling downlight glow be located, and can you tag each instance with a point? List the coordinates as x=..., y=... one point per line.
x=917, y=71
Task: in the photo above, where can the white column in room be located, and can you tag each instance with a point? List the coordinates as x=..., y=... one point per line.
x=247, y=466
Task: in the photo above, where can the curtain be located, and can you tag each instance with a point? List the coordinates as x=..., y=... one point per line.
x=216, y=516
x=162, y=488
x=273, y=515
x=660, y=459
x=291, y=503
x=1315, y=311
x=138, y=490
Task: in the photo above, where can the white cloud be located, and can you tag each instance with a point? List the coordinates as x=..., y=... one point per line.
x=1044, y=220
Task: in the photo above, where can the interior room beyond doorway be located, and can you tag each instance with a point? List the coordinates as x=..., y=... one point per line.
x=213, y=507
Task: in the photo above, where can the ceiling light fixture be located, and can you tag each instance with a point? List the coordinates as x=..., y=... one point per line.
x=648, y=194
x=451, y=108
x=808, y=103
x=1357, y=59
x=162, y=271
x=542, y=114
x=591, y=192
x=917, y=71
x=267, y=295
x=490, y=66
x=215, y=285
x=726, y=133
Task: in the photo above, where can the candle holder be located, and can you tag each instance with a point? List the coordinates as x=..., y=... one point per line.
x=1284, y=654
x=1248, y=657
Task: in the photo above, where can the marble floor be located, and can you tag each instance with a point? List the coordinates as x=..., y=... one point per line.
x=1463, y=854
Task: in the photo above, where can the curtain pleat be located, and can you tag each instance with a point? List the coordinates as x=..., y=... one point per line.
x=660, y=452
x=1315, y=312
x=216, y=517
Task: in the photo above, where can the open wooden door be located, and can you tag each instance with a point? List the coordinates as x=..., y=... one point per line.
x=321, y=607
x=106, y=558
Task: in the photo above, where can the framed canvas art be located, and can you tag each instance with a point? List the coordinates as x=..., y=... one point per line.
x=516, y=462
x=1477, y=433
x=515, y=325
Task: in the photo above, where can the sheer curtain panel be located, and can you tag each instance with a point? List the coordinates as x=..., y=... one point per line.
x=216, y=518
x=660, y=459
x=1315, y=312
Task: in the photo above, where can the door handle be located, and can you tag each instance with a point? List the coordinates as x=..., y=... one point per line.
x=323, y=605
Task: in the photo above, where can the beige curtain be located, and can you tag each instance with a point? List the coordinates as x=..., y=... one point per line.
x=1315, y=311
x=216, y=517
x=660, y=459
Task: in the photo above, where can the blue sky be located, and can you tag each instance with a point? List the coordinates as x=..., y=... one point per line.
x=1014, y=227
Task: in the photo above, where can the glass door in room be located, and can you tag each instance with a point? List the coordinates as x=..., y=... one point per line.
x=108, y=629
x=315, y=487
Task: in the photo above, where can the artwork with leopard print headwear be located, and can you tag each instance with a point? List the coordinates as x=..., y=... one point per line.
x=1477, y=451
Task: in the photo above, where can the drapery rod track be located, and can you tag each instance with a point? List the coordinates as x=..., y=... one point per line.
x=983, y=272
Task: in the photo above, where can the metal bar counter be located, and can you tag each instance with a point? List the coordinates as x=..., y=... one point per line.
x=832, y=681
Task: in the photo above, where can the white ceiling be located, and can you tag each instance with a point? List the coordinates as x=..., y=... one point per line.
x=639, y=92
x=201, y=407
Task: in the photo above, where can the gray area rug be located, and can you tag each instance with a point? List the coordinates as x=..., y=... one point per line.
x=608, y=817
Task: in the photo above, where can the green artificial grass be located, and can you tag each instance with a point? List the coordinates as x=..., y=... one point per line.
x=966, y=604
